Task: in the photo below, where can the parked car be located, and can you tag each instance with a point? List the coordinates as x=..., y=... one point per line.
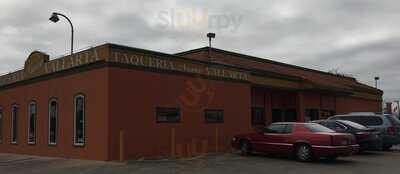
x=387, y=125
x=367, y=138
x=303, y=140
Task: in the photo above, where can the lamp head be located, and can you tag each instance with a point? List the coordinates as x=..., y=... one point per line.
x=376, y=78
x=54, y=18
x=211, y=35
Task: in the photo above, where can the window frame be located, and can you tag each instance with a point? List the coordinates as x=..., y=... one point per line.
x=49, y=122
x=214, y=110
x=172, y=108
x=34, y=122
x=14, y=117
x=83, y=120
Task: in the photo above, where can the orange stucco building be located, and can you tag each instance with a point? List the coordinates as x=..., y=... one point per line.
x=113, y=102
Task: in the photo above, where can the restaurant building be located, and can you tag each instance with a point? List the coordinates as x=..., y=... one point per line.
x=113, y=102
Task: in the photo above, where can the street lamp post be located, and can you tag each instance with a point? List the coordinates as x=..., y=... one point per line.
x=210, y=36
x=376, y=82
x=54, y=18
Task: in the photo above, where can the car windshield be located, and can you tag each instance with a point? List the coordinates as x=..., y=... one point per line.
x=313, y=127
x=352, y=124
x=363, y=120
x=394, y=119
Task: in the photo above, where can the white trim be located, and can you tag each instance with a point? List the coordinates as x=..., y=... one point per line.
x=48, y=117
x=29, y=121
x=12, y=124
x=84, y=110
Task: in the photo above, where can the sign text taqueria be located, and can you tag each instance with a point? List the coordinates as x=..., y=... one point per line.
x=38, y=66
x=172, y=64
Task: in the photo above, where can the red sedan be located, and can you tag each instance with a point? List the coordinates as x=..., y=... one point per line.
x=303, y=140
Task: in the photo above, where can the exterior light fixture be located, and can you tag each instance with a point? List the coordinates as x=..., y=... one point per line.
x=54, y=18
x=210, y=36
x=376, y=82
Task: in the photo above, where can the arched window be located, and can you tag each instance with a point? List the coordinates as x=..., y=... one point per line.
x=53, y=122
x=79, y=120
x=32, y=115
x=14, y=121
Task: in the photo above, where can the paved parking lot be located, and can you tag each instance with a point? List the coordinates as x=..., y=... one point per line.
x=373, y=162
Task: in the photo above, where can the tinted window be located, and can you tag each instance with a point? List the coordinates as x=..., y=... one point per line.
x=53, y=114
x=335, y=126
x=312, y=114
x=214, y=116
x=326, y=114
x=79, y=138
x=318, y=128
x=14, y=118
x=289, y=128
x=352, y=124
x=279, y=128
x=168, y=115
x=364, y=120
x=393, y=119
x=258, y=116
x=284, y=115
x=32, y=115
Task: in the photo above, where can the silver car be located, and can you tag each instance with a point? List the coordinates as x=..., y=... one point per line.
x=387, y=125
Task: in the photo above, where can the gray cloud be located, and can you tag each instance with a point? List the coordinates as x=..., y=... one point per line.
x=360, y=37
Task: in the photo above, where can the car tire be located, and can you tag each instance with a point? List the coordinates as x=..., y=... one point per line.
x=245, y=147
x=303, y=152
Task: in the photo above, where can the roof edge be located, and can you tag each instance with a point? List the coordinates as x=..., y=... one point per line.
x=260, y=60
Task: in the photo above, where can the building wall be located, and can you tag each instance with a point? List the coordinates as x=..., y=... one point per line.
x=351, y=104
x=93, y=84
x=134, y=96
x=324, y=102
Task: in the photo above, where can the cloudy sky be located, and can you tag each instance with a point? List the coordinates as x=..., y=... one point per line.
x=357, y=37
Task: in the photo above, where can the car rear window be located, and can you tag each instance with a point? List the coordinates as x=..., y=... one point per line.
x=279, y=128
x=352, y=124
x=394, y=119
x=363, y=120
x=313, y=127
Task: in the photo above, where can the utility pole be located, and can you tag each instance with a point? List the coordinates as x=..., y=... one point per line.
x=210, y=36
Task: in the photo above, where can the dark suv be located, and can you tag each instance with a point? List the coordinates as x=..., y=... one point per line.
x=367, y=138
x=387, y=125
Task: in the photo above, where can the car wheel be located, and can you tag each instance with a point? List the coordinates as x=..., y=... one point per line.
x=386, y=147
x=303, y=152
x=245, y=147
